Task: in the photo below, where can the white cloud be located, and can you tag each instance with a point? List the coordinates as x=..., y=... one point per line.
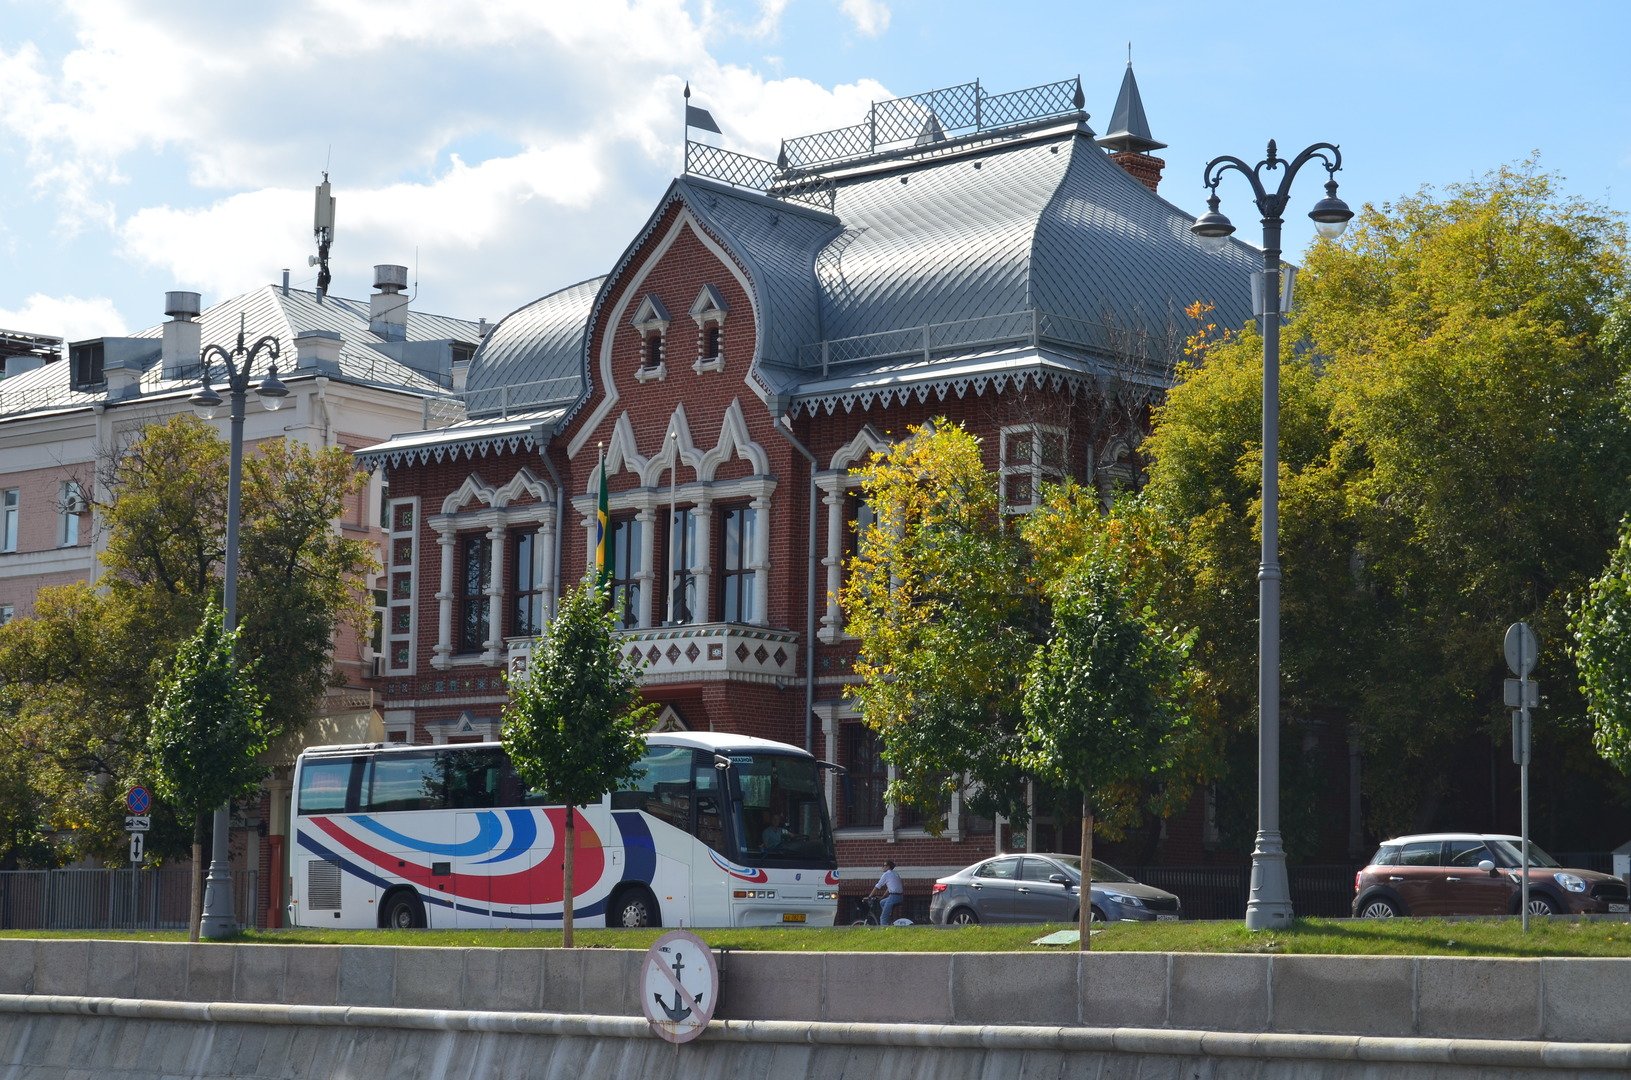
x=514, y=144
x=871, y=17
x=71, y=318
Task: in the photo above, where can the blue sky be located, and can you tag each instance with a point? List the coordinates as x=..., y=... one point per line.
x=505, y=148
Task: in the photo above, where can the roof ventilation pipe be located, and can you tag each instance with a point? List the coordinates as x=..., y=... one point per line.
x=388, y=308
x=183, y=336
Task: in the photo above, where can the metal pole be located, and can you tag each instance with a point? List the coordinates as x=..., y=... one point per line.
x=1269, y=905
x=1523, y=769
x=218, y=918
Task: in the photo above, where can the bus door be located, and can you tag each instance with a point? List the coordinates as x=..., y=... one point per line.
x=710, y=886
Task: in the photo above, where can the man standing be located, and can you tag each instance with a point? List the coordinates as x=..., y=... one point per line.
x=893, y=892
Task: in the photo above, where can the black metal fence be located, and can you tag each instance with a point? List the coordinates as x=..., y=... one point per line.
x=111, y=899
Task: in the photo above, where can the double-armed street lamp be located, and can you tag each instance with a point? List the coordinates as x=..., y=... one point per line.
x=1269, y=905
x=218, y=917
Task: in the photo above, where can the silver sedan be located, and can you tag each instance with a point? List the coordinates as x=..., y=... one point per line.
x=1043, y=888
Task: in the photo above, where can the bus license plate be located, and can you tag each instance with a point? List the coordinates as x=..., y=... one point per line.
x=792, y=916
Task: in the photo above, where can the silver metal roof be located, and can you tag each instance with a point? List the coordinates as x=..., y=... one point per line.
x=1034, y=226
x=364, y=357
x=465, y=439
x=534, y=353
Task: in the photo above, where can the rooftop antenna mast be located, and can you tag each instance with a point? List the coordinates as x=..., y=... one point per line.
x=322, y=227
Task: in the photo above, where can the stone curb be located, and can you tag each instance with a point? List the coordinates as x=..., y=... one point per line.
x=1510, y=1054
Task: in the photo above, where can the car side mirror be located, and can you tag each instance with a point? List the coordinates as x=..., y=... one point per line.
x=1059, y=879
x=1487, y=867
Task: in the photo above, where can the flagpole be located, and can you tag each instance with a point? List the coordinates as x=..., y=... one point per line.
x=673, y=515
x=685, y=134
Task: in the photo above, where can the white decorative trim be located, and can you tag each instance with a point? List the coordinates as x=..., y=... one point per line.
x=708, y=307
x=644, y=374
x=650, y=315
x=683, y=220
x=734, y=440
x=867, y=442
x=835, y=486
x=712, y=363
x=497, y=510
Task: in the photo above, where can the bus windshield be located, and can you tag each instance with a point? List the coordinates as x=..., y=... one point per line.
x=779, y=815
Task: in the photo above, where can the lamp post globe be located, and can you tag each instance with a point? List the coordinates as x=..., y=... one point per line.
x=1269, y=904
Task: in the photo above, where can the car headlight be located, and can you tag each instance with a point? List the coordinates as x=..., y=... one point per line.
x=1571, y=882
x=1124, y=900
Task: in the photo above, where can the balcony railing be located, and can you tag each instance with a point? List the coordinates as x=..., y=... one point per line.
x=1135, y=347
x=697, y=652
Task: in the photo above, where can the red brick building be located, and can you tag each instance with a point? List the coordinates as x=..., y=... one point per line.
x=981, y=257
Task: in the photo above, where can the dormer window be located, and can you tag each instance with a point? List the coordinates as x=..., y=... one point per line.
x=708, y=311
x=651, y=321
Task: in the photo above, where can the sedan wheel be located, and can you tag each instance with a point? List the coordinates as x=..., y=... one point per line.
x=1379, y=909
x=1541, y=905
x=1095, y=915
x=962, y=917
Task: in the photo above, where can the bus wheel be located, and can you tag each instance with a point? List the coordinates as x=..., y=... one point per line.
x=633, y=908
x=402, y=911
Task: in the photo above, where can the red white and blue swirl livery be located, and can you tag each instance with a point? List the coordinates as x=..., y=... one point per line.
x=717, y=831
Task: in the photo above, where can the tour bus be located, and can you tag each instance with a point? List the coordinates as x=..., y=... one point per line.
x=719, y=830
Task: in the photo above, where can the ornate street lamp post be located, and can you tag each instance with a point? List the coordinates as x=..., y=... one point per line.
x=218, y=918
x=1269, y=905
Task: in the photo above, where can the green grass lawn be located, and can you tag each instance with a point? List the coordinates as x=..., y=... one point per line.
x=1394, y=937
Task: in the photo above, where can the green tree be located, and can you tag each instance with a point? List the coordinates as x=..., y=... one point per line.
x=574, y=721
x=946, y=618
x=1601, y=638
x=1104, y=699
x=208, y=727
x=300, y=580
x=1454, y=455
x=80, y=673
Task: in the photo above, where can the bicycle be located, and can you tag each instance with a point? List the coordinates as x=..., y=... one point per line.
x=871, y=907
x=869, y=912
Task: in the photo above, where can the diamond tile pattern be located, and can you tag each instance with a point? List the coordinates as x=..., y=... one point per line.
x=535, y=350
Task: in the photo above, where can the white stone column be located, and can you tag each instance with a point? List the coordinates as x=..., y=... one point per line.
x=702, y=561
x=648, y=573
x=443, y=649
x=589, y=521
x=832, y=622
x=761, y=560
x=544, y=562
x=495, y=594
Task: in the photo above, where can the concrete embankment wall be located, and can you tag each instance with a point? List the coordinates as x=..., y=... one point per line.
x=151, y=1010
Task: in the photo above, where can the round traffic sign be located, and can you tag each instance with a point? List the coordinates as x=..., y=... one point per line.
x=679, y=986
x=137, y=800
x=1521, y=647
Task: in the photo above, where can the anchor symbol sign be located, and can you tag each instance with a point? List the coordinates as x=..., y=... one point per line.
x=679, y=986
x=677, y=1011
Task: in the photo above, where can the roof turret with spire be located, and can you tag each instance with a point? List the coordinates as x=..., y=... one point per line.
x=1128, y=138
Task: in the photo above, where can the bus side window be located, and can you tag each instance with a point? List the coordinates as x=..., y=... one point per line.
x=325, y=784
x=662, y=788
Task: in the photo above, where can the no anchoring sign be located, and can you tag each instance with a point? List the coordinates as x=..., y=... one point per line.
x=679, y=986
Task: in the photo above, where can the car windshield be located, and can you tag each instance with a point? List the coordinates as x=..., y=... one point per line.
x=1102, y=872
x=1511, y=855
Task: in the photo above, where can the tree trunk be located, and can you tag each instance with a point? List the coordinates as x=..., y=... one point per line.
x=1084, y=892
x=566, y=881
x=195, y=891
